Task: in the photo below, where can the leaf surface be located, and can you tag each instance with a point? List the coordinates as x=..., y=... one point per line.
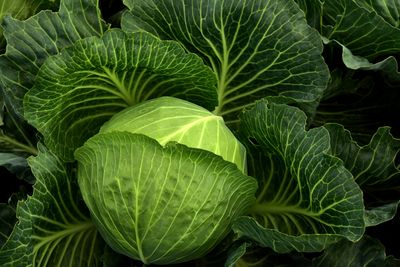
x=255, y=48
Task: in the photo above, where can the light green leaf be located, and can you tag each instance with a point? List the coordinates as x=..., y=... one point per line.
x=160, y=204
x=30, y=42
x=255, y=48
x=80, y=89
x=307, y=199
x=53, y=228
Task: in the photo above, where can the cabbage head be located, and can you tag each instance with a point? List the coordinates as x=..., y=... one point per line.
x=164, y=181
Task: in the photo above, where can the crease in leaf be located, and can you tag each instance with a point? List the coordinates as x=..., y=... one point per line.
x=307, y=199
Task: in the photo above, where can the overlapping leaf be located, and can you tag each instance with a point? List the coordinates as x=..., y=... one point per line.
x=256, y=48
x=31, y=41
x=53, y=228
x=307, y=198
x=77, y=91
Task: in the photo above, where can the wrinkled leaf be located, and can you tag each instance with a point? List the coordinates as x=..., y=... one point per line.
x=255, y=48
x=80, y=89
x=53, y=228
x=307, y=199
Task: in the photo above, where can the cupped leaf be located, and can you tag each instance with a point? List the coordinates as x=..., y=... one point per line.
x=80, y=89
x=171, y=119
x=160, y=204
x=255, y=48
x=53, y=228
x=307, y=199
x=30, y=42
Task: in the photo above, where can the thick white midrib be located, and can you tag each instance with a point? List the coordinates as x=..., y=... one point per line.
x=187, y=127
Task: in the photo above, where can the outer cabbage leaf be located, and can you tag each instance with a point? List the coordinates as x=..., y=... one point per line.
x=160, y=204
x=30, y=42
x=53, y=228
x=255, y=48
x=307, y=199
x=78, y=90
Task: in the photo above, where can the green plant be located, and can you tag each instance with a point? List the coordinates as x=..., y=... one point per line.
x=217, y=132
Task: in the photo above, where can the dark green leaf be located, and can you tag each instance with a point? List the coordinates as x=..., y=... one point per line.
x=53, y=228
x=307, y=198
x=371, y=164
x=255, y=48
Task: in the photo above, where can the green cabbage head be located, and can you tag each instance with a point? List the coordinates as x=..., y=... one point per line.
x=164, y=181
